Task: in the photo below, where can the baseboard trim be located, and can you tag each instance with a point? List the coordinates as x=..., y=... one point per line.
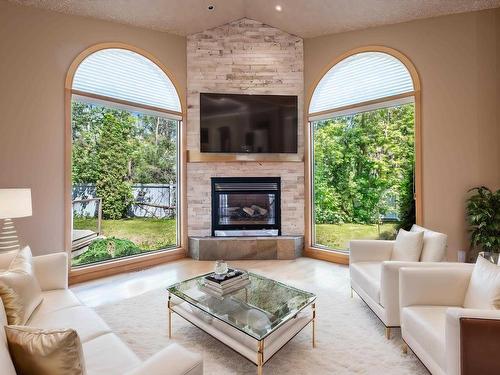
x=328, y=255
x=97, y=271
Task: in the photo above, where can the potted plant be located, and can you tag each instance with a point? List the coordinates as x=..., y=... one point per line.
x=483, y=213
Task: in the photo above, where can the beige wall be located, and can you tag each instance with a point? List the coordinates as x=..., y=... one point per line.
x=36, y=48
x=457, y=58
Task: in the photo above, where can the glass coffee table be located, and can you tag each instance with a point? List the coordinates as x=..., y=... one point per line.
x=255, y=321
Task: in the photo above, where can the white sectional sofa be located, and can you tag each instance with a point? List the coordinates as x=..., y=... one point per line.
x=104, y=352
x=448, y=338
x=375, y=277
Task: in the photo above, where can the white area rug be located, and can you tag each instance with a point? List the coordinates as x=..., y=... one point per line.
x=350, y=338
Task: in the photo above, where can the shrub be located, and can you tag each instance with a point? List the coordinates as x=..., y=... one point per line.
x=106, y=249
x=407, y=201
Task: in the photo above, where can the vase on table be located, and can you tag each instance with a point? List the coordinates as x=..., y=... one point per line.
x=221, y=269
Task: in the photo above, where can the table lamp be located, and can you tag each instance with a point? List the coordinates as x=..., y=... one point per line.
x=14, y=203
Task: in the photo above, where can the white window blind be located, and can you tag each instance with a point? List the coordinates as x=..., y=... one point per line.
x=360, y=78
x=126, y=75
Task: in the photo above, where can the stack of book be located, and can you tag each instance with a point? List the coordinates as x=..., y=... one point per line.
x=232, y=281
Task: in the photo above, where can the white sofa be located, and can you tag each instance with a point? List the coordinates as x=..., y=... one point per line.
x=375, y=277
x=104, y=352
x=434, y=323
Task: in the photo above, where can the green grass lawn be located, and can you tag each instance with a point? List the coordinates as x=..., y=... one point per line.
x=147, y=234
x=337, y=236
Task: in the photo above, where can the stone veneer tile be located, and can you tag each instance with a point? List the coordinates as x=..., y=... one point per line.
x=231, y=248
x=249, y=57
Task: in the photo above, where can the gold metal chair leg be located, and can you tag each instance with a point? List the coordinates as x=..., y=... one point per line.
x=405, y=348
x=314, y=325
x=387, y=333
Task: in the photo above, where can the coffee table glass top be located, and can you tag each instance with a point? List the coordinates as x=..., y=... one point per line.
x=257, y=310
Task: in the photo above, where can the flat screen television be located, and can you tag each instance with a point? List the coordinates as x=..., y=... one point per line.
x=235, y=123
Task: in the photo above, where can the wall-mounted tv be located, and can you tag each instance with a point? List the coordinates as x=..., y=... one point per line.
x=236, y=123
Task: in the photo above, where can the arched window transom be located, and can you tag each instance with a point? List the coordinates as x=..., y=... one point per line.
x=361, y=78
x=126, y=75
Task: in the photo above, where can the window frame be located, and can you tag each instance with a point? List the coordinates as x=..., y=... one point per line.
x=91, y=271
x=319, y=252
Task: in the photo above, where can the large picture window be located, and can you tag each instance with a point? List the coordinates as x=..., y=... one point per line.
x=362, y=126
x=125, y=119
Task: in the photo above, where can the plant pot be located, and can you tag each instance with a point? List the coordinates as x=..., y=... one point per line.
x=492, y=257
x=462, y=256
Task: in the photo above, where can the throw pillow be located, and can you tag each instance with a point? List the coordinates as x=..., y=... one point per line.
x=434, y=248
x=45, y=352
x=408, y=246
x=6, y=365
x=483, y=291
x=19, y=288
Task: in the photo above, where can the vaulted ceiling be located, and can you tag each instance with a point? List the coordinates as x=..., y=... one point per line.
x=305, y=18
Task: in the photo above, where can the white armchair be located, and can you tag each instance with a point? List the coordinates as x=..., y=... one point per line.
x=375, y=277
x=448, y=338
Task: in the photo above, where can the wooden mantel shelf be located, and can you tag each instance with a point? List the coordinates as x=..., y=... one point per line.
x=212, y=157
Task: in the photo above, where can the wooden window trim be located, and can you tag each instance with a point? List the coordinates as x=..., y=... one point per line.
x=325, y=254
x=121, y=265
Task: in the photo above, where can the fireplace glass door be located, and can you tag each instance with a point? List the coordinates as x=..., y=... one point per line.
x=247, y=209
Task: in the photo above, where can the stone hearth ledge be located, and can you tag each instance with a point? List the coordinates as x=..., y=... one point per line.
x=239, y=248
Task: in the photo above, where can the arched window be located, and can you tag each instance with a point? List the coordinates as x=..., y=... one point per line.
x=125, y=75
x=125, y=119
x=362, y=124
x=361, y=78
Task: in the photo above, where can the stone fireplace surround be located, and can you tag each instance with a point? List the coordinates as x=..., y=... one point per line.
x=244, y=57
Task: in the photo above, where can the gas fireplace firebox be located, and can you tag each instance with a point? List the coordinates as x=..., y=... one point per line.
x=246, y=206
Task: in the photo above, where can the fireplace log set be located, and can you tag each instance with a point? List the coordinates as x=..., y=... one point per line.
x=252, y=212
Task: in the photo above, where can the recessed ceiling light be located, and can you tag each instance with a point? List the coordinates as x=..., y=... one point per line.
x=211, y=7
x=278, y=8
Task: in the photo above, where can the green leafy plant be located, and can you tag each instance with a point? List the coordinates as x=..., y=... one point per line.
x=483, y=213
x=106, y=249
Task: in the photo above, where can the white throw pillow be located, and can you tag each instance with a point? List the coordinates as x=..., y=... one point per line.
x=434, y=248
x=483, y=291
x=408, y=246
x=6, y=365
x=19, y=288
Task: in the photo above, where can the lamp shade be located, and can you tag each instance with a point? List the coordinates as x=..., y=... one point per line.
x=15, y=203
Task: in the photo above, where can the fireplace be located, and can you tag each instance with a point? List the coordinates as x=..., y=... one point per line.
x=246, y=206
